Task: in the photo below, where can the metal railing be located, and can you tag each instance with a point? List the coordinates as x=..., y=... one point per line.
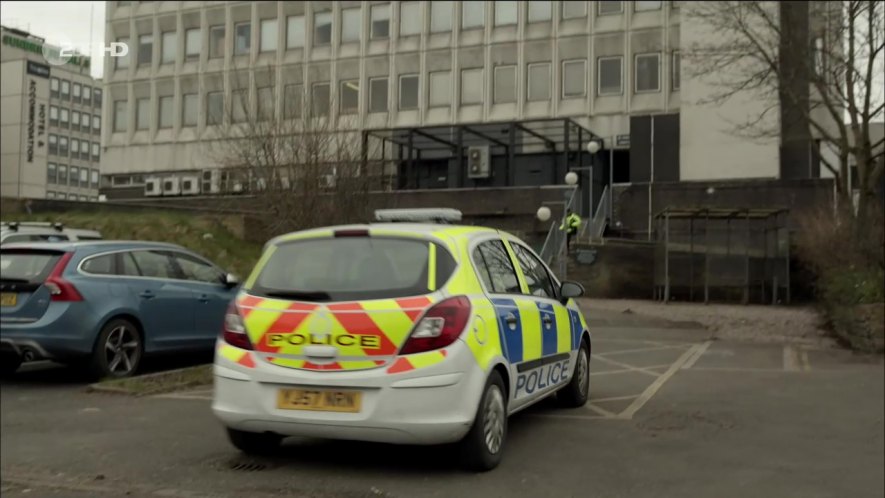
x=554, y=245
x=596, y=225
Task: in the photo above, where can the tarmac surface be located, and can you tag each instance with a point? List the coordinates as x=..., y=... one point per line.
x=672, y=414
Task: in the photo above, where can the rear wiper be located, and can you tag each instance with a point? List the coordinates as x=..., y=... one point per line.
x=300, y=295
x=14, y=280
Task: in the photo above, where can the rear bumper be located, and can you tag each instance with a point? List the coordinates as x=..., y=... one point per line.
x=431, y=405
x=65, y=331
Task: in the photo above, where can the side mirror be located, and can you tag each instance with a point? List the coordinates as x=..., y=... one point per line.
x=230, y=280
x=570, y=290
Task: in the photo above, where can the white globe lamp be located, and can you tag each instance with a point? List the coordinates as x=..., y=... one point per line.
x=543, y=213
x=593, y=147
x=571, y=178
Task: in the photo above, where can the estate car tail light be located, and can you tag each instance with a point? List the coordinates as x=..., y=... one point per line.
x=60, y=289
x=440, y=326
x=234, y=330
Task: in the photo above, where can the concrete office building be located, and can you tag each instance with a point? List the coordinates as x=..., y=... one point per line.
x=408, y=71
x=51, y=123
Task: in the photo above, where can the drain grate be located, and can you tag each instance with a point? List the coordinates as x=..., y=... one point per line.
x=247, y=466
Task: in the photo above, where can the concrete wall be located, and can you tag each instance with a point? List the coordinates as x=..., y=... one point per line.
x=621, y=270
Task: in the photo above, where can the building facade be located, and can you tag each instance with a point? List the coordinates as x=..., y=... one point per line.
x=51, y=123
x=611, y=67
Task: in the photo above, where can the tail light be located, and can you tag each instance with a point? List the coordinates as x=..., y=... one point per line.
x=234, y=330
x=59, y=288
x=440, y=326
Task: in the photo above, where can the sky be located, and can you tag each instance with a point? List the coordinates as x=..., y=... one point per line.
x=61, y=23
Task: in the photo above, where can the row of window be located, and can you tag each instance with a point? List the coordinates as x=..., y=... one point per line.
x=411, y=23
x=153, y=264
x=76, y=93
x=69, y=197
x=610, y=81
x=79, y=149
x=75, y=120
x=59, y=174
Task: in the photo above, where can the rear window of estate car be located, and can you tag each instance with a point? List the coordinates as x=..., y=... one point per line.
x=352, y=269
x=27, y=266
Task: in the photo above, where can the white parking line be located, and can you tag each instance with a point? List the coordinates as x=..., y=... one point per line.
x=626, y=370
x=641, y=350
x=631, y=368
x=653, y=388
x=698, y=353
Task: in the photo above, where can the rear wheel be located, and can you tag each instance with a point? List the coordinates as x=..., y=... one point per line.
x=9, y=363
x=483, y=446
x=254, y=443
x=118, y=350
x=577, y=391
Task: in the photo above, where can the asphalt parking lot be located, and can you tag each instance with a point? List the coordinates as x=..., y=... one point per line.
x=672, y=414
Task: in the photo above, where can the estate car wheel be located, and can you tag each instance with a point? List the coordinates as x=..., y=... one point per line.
x=9, y=363
x=118, y=350
x=483, y=446
x=577, y=391
x=254, y=443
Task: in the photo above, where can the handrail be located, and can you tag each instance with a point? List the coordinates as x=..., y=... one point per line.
x=597, y=223
x=556, y=239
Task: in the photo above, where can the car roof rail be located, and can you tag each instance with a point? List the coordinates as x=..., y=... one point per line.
x=15, y=225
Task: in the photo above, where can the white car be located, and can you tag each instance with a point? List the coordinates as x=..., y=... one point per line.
x=398, y=333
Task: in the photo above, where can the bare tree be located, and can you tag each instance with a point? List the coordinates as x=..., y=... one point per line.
x=303, y=166
x=770, y=49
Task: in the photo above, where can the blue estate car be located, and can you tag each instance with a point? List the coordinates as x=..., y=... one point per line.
x=105, y=304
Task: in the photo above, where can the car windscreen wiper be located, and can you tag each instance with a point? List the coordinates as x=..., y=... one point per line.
x=300, y=295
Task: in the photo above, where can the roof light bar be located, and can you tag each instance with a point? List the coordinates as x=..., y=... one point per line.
x=420, y=215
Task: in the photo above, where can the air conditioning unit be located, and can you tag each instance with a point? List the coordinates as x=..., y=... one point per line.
x=329, y=181
x=211, y=181
x=152, y=186
x=478, y=165
x=190, y=185
x=171, y=185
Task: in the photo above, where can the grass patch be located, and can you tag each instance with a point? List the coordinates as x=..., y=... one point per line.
x=158, y=383
x=205, y=235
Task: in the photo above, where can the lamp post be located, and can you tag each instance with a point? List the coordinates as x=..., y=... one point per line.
x=571, y=178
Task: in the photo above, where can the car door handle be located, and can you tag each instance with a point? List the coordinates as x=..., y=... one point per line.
x=511, y=320
x=204, y=298
x=547, y=320
x=147, y=295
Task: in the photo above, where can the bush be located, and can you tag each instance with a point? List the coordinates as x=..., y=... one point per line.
x=847, y=258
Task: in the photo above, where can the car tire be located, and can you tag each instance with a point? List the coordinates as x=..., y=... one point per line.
x=482, y=447
x=118, y=350
x=9, y=364
x=254, y=443
x=576, y=393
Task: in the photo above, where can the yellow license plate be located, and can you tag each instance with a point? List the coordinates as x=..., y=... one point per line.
x=317, y=400
x=8, y=299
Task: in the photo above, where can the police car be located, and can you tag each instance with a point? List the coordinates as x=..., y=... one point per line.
x=412, y=330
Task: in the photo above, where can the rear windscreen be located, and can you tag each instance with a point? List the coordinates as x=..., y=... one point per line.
x=25, y=266
x=353, y=268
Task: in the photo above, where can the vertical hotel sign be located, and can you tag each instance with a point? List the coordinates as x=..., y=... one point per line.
x=37, y=95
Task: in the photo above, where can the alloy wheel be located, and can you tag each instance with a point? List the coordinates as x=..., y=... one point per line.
x=493, y=429
x=121, y=351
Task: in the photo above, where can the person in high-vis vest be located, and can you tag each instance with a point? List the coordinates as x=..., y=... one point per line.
x=570, y=224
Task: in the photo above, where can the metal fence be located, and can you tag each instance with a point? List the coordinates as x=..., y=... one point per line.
x=553, y=252
x=722, y=255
